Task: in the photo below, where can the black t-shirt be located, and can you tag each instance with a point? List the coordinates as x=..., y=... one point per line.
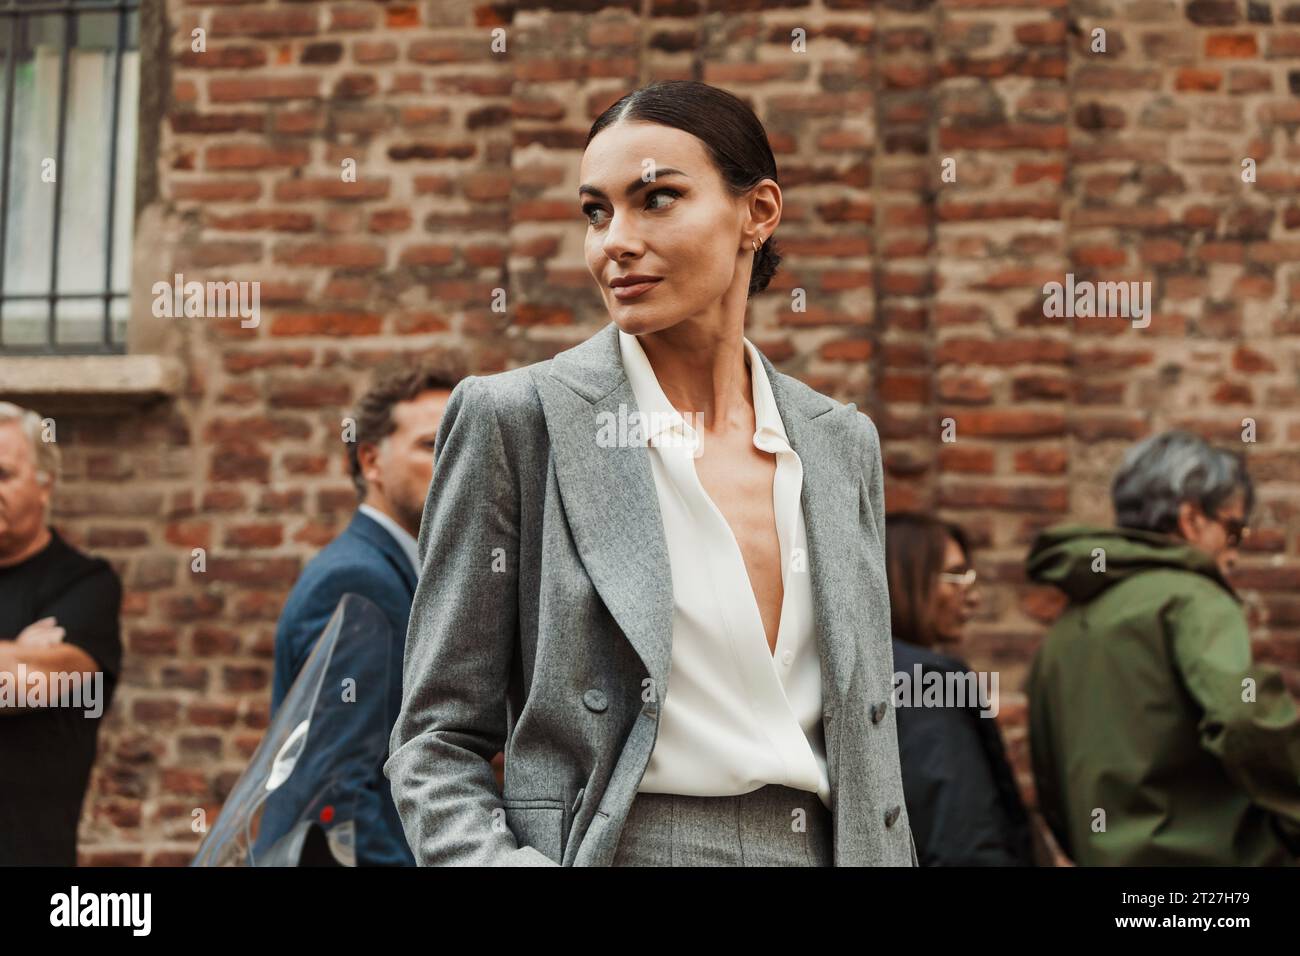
x=46, y=752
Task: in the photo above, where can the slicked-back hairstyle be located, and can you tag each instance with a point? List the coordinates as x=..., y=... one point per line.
x=1161, y=472
x=397, y=380
x=732, y=135
x=914, y=549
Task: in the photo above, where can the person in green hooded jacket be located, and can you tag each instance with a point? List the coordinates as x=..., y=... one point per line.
x=1155, y=737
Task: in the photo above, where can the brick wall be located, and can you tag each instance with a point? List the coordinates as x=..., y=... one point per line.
x=924, y=295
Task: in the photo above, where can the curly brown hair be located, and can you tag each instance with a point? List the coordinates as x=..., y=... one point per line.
x=398, y=379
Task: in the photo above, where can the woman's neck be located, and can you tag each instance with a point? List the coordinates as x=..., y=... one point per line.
x=703, y=370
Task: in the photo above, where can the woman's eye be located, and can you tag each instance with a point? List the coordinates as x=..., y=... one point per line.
x=665, y=192
x=591, y=209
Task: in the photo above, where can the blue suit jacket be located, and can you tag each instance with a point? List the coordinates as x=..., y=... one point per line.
x=363, y=560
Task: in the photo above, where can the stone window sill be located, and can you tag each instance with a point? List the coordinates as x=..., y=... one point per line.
x=88, y=384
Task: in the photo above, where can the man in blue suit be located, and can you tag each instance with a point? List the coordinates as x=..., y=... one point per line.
x=376, y=557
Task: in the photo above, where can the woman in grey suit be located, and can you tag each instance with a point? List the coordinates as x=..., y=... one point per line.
x=653, y=566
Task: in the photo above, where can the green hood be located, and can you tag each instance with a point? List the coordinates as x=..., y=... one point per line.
x=1063, y=556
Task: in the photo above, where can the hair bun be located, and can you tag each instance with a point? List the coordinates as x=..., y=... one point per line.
x=765, y=262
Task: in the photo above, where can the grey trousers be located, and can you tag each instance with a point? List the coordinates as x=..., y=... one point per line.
x=771, y=826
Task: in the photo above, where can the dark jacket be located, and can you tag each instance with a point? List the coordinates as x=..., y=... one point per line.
x=363, y=560
x=1155, y=738
x=960, y=791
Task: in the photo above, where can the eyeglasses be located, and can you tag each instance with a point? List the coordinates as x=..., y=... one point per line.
x=1235, y=528
x=964, y=578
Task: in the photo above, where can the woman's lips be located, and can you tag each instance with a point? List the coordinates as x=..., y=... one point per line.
x=623, y=292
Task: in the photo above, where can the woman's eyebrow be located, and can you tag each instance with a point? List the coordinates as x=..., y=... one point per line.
x=634, y=186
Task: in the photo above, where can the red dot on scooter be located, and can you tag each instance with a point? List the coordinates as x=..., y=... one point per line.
x=326, y=814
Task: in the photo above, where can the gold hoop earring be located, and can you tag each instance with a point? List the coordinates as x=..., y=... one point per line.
x=755, y=242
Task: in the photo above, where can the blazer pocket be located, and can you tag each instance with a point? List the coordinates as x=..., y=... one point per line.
x=538, y=823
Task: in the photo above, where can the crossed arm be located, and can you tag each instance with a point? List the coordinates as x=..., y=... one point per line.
x=41, y=650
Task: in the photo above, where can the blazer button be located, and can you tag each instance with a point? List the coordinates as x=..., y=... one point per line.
x=878, y=712
x=891, y=815
x=595, y=701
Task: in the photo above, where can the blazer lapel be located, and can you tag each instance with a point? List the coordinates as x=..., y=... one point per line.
x=369, y=530
x=613, y=510
x=609, y=495
x=816, y=429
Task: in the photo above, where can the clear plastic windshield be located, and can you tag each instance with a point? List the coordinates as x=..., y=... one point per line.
x=297, y=802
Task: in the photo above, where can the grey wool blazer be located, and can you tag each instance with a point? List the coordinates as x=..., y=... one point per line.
x=542, y=623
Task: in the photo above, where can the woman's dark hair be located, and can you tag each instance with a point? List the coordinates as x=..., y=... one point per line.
x=731, y=133
x=914, y=547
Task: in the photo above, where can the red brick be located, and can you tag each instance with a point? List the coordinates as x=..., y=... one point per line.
x=364, y=51
x=1041, y=461
x=281, y=22
x=1282, y=45
x=964, y=389
x=216, y=190
x=1045, y=498
x=189, y=534
x=260, y=572
x=233, y=57
x=236, y=460
x=1198, y=80
x=1002, y=351
x=335, y=254
x=1231, y=45
x=310, y=394
x=355, y=86
x=353, y=18
x=1009, y=423
x=1045, y=32
x=326, y=323
x=150, y=642
x=300, y=122
x=253, y=156
x=428, y=255
x=965, y=459
x=847, y=350
x=399, y=17
x=297, y=190
x=271, y=220
x=238, y=89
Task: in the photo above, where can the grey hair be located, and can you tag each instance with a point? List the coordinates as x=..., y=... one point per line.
x=1161, y=472
x=45, y=454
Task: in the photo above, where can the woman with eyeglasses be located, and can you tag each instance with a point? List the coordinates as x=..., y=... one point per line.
x=961, y=794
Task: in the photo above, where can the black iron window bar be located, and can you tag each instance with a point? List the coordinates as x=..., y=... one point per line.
x=18, y=13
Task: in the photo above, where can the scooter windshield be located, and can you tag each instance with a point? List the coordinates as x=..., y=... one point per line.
x=297, y=802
